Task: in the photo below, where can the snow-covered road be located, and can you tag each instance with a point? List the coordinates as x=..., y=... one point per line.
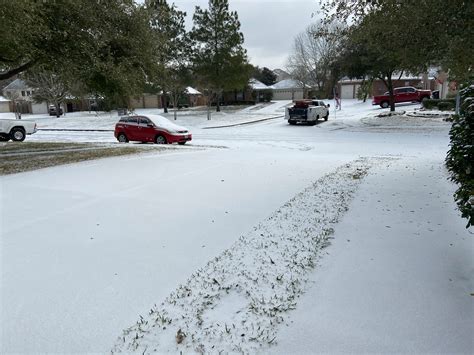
x=86, y=248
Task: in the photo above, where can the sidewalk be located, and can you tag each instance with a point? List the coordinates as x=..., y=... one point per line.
x=399, y=274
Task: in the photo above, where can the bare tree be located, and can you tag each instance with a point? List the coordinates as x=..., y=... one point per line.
x=48, y=87
x=314, y=51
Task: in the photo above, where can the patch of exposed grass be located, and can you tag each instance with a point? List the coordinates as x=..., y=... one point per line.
x=14, y=147
x=18, y=164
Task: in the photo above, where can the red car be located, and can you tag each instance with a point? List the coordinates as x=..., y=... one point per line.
x=403, y=94
x=150, y=128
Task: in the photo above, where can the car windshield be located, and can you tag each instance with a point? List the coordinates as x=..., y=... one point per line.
x=163, y=122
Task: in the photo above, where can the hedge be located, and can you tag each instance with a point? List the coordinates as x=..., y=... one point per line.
x=440, y=104
x=460, y=158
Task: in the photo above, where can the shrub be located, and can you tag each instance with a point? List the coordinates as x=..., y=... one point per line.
x=430, y=103
x=268, y=95
x=446, y=105
x=460, y=158
x=440, y=104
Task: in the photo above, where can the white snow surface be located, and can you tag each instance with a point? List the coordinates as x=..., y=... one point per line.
x=257, y=84
x=192, y=91
x=287, y=84
x=163, y=122
x=373, y=260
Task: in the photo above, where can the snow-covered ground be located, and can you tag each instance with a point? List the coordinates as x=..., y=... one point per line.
x=342, y=237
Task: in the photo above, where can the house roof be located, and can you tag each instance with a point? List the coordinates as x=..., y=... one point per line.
x=191, y=91
x=3, y=99
x=17, y=84
x=281, y=74
x=287, y=84
x=257, y=85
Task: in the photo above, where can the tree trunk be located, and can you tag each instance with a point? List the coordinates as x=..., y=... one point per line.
x=388, y=83
x=164, y=102
x=218, y=107
x=390, y=93
x=175, y=106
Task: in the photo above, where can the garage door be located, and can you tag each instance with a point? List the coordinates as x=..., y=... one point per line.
x=347, y=91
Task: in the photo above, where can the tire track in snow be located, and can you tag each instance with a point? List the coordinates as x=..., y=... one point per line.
x=237, y=302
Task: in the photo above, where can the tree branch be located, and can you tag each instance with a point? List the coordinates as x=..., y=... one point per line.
x=18, y=70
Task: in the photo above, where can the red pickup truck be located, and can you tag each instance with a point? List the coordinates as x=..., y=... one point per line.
x=403, y=94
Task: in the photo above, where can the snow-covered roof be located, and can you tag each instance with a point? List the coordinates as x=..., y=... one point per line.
x=192, y=91
x=287, y=84
x=281, y=74
x=257, y=85
x=3, y=99
x=17, y=84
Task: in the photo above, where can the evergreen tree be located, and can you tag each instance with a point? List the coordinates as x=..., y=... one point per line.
x=268, y=77
x=172, y=50
x=103, y=44
x=219, y=59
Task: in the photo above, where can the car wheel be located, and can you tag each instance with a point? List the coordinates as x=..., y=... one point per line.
x=292, y=122
x=122, y=138
x=181, y=143
x=17, y=134
x=384, y=104
x=160, y=139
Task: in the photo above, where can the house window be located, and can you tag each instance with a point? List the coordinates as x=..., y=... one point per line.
x=28, y=93
x=23, y=93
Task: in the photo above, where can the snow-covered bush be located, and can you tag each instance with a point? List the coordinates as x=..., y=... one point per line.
x=460, y=159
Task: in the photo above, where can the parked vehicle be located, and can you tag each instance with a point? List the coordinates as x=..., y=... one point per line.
x=52, y=110
x=307, y=111
x=402, y=94
x=16, y=130
x=150, y=128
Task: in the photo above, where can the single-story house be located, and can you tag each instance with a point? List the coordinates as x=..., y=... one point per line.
x=192, y=97
x=259, y=90
x=289, y=89
x=348, y=88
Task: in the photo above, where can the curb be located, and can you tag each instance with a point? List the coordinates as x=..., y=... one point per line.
x=243, y=123
x=74, y=130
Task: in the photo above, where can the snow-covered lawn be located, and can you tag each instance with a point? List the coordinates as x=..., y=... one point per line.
x=342, y=237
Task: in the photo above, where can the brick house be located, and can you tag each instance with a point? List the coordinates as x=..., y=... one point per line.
x=347, y=88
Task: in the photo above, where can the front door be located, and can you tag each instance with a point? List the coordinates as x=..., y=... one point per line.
x=146, y=131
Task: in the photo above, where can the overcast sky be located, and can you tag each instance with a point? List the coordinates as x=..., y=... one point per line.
x=269, y=26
